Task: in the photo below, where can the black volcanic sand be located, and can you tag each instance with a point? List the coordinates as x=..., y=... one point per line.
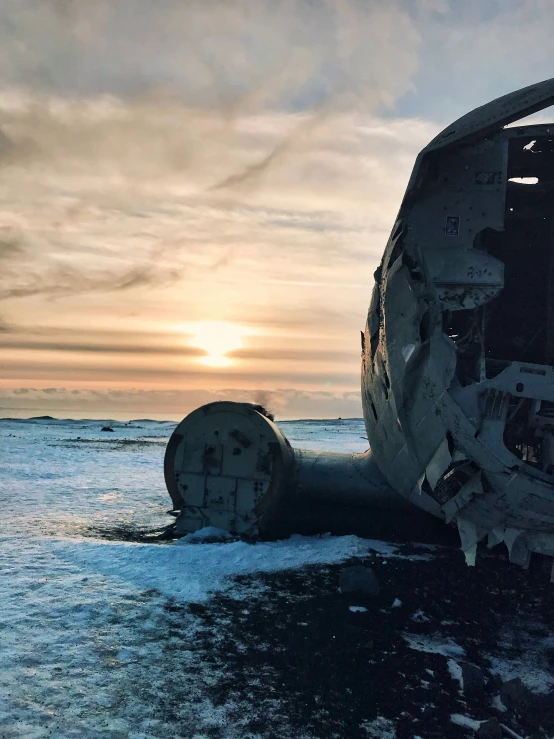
x=293, y=655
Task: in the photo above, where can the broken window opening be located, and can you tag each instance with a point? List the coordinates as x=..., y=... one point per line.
x=466, y=329
x=425, y=326
x=453, y=480
x=529, y=432
x=520, y=320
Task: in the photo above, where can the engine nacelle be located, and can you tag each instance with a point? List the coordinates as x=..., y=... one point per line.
x=228, y=466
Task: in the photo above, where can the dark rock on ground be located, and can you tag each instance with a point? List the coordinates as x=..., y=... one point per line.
x=359, y=580
x=427, y=711
x=535, y=710
x=473, y=679
x=107, y=428
x=516, y=696
x=489, y=730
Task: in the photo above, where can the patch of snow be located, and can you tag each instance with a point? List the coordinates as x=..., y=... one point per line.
x=537, y=678
x=420, y=617
x=194, y=573
x=460, y=720
x=521, y=653
x=455, y=672
x=206, y=535
x=357, y=609
x=434, y=645
x=379, y=728
x=346, y=435
x=396, y=603
x=497, y=703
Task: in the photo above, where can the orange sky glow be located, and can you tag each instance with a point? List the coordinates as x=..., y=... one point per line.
x=194, y=196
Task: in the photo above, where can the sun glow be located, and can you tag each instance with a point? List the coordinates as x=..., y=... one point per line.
x=217, y=339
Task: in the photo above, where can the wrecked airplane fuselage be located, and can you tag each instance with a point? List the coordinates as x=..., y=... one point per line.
x=457, y=362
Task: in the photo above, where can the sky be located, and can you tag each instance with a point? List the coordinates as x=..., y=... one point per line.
x=194, y=195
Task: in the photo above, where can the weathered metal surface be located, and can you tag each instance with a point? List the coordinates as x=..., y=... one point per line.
x=231, y=468
x=226, y=467
x=475, y=399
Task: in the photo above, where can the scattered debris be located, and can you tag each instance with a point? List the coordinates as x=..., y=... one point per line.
x=456, y=673
x=473, y=681
x=512, y=734
x=420, y=617
x=469, y=723
x=379, y=728
x=516, y=696
x=434, y=645
x=360, y=580
x=490, y=729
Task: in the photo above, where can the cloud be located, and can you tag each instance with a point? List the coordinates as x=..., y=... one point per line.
x=103, y=215
x=130, y=132
x=208, y=53
x=471, y=52
x=149, y=372
x=146, y=349
x=171, y=162
x=291, y=355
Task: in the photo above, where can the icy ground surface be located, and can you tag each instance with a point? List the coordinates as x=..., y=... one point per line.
x=104, y=633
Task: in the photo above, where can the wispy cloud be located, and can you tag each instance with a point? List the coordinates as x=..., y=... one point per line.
x=170, y=162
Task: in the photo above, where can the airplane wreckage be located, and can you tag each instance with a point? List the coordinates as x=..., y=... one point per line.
x=457, y=366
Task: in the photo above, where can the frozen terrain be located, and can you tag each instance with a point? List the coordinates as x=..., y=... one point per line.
x=106, y=632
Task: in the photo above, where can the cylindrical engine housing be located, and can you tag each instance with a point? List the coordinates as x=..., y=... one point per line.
x=228, y=466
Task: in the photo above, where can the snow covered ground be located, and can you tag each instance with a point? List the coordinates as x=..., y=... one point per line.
x=104, y=633
x=89, y=647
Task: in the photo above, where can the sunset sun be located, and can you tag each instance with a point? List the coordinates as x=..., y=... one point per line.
x=217, y=339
